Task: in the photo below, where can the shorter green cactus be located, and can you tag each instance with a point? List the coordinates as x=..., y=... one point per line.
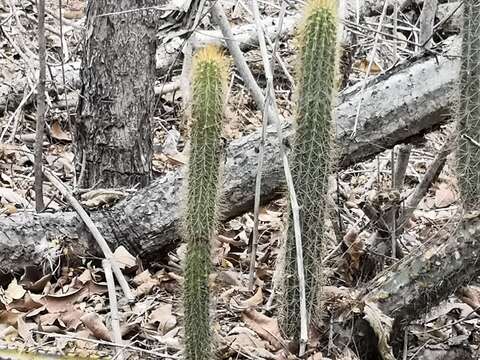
x=210, y=72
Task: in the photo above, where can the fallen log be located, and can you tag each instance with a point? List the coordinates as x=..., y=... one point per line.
x=397, y=106
x=430, y=275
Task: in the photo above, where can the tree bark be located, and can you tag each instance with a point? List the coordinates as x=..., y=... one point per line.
x=112, y=129
x=419, y=99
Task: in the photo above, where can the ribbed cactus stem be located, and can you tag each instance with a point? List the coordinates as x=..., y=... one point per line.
x=210, y=69
x=468, y=125
x=311, y=155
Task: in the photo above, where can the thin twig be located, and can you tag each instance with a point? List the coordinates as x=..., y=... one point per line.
x=369, y=68
x=258, y=179
x=427, y=20
x=289, y=180
x=221, y=20
x=256, y=206
x=115, y=319
x=65, y=191
x=40, y=123
x=67, y=109
x=430, y=176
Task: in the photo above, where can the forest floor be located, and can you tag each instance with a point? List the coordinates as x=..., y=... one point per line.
x=67, y=310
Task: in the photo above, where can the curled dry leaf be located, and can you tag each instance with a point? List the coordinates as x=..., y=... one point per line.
x=382, y=326
x=58, y=133
x=164, y=317
x=14, y=291
x=267, y=328
x=93, y=323
x=101, y=197
x=255, y=300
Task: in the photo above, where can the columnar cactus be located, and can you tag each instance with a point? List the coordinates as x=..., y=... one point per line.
x=210, y=71
x=311, y=152
x=468, y=125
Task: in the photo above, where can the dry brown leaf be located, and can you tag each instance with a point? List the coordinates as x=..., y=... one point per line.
x=93, y=323
x=444, y=195
x=25, y=304
x=101, y=197
x=58, y=133
x=63, y=302
x=8, y=209
x=470, y=295
x=124, y=258
x=163, y=316
x=9, y=317
x=11, y=197
x=382, y=326
x=266, y=215
x=316, y=356
x=362, y=65
x=71, y=318
x=267, y=328
x=15, y=291
x=145, y=283
x=25, y=328
x=255, y=300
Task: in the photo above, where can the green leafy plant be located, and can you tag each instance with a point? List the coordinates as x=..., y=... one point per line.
x=210, y=72
x=312, y=150
x=468, y=119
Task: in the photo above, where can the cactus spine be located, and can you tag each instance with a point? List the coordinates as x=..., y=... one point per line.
x=210, y=72
x=311, y=152
x=468, y=125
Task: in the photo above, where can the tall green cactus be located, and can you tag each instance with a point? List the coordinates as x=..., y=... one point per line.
x=311, y=153
x=468, y=125
x=210, y=72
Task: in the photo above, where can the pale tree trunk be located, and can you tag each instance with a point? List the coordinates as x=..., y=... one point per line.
x=112, y=132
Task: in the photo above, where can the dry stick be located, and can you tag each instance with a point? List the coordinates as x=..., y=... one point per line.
x=62, y=60
x=93, y=230
x=221, y=20
x=288, y=176
x=258, y=186
x=403, y=157
x=105, y=343
x=430, y=176
x=16, y=115
x=369, y=68
x=427, y=20
x=393, y=224
x=112, y=295
x=258, y=178
x=40, y=124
